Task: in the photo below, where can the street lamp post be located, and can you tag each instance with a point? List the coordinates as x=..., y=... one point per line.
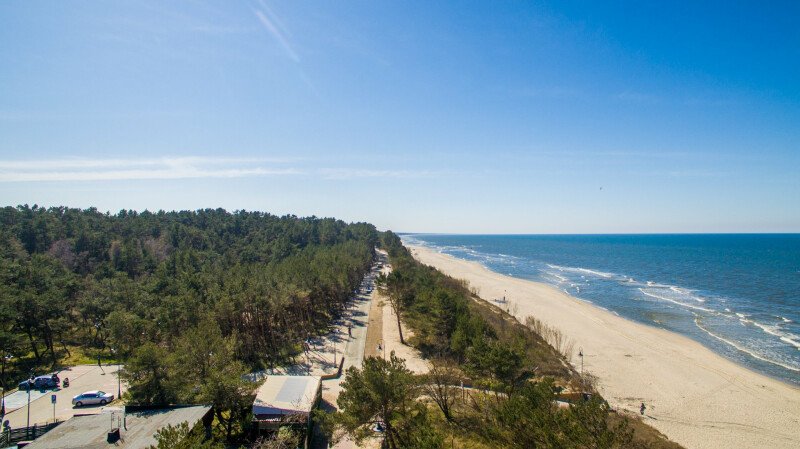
x=28, y=425
x=119, y=380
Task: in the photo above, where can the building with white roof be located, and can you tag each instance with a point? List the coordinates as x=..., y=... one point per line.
x=284, y=399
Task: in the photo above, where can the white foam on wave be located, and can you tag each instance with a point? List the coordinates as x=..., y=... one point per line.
x=741, y=348
x=561, y=279
x=554, y=279
x=595, y=273
x=786, y=337
x=683, y=304
x=657, y=285
x=785, y=320
x=792, y=342
x=686, y=292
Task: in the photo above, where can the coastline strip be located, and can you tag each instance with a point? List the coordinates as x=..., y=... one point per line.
x=694, y=396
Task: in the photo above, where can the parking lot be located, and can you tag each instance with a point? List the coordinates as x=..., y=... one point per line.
x=81, y=378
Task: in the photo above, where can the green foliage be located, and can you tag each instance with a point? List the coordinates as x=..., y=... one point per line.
x=183, y=437
x=473, y=342
x=189, y=301
x=530, y=419
x=385, y=392
x=148, y=376
x=81, y=278
x=437, y=308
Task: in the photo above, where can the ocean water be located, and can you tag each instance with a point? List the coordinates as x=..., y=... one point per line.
x=737, y=294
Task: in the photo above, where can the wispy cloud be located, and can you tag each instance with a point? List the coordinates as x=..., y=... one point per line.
x=276, y=29
x=350, y=173
x=188, y=167
x=281, y=34
x=81, y=169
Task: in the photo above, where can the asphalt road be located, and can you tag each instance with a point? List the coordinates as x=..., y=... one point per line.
x=81, y=378
x=354, y=356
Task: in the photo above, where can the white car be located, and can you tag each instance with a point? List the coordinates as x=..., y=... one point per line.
x=91, y=398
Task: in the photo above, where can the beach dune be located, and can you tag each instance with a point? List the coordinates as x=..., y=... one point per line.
x=694, y=396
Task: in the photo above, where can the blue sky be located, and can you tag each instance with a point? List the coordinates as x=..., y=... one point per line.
x=485, y=117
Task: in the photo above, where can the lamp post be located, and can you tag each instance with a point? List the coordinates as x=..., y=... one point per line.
x=119, y=380
x=28, y=425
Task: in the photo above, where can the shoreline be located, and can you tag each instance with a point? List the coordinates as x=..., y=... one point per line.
x=693, y=395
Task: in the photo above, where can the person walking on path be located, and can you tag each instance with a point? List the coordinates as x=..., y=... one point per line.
x=100, y=364
x=642, y=409
x=349, y=330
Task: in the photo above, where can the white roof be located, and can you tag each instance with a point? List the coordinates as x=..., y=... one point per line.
x=287, y=395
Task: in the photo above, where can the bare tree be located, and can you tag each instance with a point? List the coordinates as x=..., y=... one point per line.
x=440, y=384
x=554, y=337
x=284, y=438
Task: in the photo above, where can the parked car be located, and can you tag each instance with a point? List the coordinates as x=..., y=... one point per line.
x=40, y=382
x=92, y=397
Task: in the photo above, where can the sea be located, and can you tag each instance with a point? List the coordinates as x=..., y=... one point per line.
x=737, y=294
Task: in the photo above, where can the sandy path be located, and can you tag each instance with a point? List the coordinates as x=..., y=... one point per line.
x=375, y=328
x=694, y=396
x=391, y=341
x=387, y=336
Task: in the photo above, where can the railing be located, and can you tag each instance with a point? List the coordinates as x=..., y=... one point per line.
x=11, y=436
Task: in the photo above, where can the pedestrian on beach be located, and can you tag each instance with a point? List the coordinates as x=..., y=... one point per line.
x=642, y=409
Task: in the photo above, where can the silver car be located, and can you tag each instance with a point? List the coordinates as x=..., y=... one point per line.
x=91, y=398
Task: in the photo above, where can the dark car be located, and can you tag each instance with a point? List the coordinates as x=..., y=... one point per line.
x=40, y=383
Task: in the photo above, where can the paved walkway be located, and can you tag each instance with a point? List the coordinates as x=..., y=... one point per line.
x=325, y=353
x=355, y=353
x=19, y=398
x=81, y=378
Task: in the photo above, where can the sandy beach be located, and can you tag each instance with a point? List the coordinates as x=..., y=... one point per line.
x=694, y=396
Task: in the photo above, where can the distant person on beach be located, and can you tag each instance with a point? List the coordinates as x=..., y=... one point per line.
x=642, y=409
